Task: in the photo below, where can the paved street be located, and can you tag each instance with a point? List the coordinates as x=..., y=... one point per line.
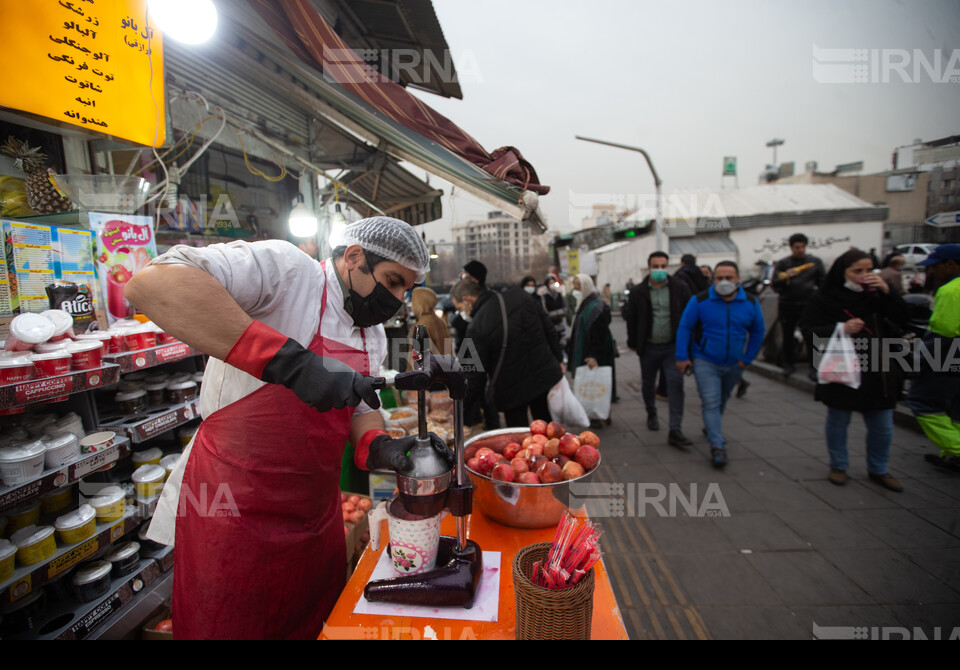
x=796, y=554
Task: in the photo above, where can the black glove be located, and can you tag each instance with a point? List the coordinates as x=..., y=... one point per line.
x=391, y=454
x=323, y=383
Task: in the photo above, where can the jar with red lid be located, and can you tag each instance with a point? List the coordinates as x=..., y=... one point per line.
x=86, y=355
x=54, y=364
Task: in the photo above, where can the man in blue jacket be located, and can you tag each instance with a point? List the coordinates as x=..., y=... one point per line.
x=720, y=334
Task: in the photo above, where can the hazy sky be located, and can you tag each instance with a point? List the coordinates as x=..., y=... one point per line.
x=691, y=81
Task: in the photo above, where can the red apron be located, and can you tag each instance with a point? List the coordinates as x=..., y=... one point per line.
x=260, y=548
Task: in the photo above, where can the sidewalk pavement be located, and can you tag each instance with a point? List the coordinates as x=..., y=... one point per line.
x=768, y=548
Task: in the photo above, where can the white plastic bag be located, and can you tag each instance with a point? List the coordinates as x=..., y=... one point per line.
x=839, y=363
x=594, y=389
x=564, y=406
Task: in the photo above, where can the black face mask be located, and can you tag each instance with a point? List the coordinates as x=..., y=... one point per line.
x=373, y=309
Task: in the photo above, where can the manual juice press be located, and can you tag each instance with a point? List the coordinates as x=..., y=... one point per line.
x=428, y=488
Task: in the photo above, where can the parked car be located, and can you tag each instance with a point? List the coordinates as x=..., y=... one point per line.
x=913, y=253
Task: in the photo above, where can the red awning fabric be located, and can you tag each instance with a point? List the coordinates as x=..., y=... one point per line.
x=312, y=40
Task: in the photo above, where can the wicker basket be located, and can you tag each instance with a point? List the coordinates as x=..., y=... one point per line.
x=545, y=614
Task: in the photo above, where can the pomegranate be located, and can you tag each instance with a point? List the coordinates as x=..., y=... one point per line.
x=549, y=472
x=572, y=470
x=527, y=441
x=503, y=472
x=554, y=429
x=540, y=439
x=591, y=438
x=538, y=427
x=484, y=450
x=511, y=450
x=488, y=462
x=535, y=449
x=561, y=460
x=474, y=464
x=536, y=462
x=364, y=504
x=525, y=455
x=520, y=466
x=588, y=457
x=528, y=478
x=569, y=444
x=552, y=449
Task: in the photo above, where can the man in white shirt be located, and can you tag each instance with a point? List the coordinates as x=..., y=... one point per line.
x=254, y=504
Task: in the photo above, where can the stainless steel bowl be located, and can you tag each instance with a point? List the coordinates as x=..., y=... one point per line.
x=520, y=505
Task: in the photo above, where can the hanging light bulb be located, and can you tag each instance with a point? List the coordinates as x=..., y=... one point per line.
x=338, y=227
x=187, y=21
x=303, y=222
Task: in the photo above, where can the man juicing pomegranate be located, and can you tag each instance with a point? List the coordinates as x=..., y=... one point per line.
x=253, y=506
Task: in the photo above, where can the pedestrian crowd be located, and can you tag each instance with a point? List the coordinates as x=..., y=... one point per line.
x=702, y=321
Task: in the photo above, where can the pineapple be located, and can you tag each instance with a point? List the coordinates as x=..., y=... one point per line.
x=42, y=196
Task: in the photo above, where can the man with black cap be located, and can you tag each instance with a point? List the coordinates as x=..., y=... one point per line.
x=476, y=272
x=935, y=396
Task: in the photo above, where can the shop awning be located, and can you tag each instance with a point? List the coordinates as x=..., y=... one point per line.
x=383, y=112
x=408, y=43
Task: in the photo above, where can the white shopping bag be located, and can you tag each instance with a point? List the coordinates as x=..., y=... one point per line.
x=839, y=363
x=594, y=390
x=565, y=409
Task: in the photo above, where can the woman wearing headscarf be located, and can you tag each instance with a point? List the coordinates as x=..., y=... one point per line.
x=423, y=302
x=870, y=312
x=590, y=342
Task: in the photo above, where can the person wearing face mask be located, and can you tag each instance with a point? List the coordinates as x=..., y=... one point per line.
x=871, y=313
x=555, y=305
x=591, y=342
x=655, y=308
x=294, y=345
x=520, y=358
x=529, y=285
x=720, y=334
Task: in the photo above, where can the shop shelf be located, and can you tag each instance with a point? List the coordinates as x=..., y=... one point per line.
x=133, y=361
x=39, y=390
x=156, y=421
x=51, y=480
x=27, y=579
x=105, y=618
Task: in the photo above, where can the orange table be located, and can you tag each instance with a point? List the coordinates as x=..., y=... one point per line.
x=343, y=624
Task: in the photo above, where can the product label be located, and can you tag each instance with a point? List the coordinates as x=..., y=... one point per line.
x=82, y=629
x=163, y=423
x=173, y=352
x=43, y=389
x=73, y=557
x=96, y=462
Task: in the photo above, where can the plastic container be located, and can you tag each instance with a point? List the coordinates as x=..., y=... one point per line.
x=26, y=615
x=61, y=450
x=23, y=517
x=125, y=559
x=27, y=331
x=138, y=339
x=112, y=342
x=168, y=463
x=145, y=542
x=58, y=501
x=149, y=480
x=186, y=434
x=147, y=457
x=110, y=504
x=86, y=355
x=53, y=364
x=36, y=426
x=62, y=323
x=8, y=556
x=156, y=393
x=92, y=581
x=21, y=463
x=132, y=402
x=181, y=392
x=15, y=370
x=92, y=444
x=78, y=525
x=69, y=424
x=166, y=338
x=35, y=544
x=50, y=347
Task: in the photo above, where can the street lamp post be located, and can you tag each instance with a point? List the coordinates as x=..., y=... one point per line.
x=774, y=143
x=656, y=181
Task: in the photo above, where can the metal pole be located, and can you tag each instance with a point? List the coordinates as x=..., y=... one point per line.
x=656, y=181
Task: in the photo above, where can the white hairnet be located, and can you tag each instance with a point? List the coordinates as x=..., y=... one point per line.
x=393, y=239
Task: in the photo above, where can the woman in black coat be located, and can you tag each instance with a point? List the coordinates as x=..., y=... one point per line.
x=590, y=342
x=857, y=297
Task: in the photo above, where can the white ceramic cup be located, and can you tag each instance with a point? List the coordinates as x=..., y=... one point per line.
x=413, y=541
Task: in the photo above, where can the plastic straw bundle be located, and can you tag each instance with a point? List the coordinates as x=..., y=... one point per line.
x=575, y=549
